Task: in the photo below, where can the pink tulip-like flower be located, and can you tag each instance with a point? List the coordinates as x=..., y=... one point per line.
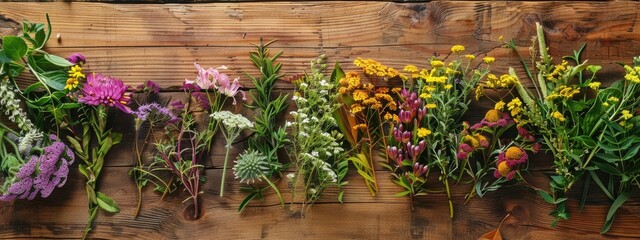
x=228, y=88
x=105, y=91
x=206, y=77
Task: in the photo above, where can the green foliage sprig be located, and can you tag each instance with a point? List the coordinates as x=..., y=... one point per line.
x=267, y=138
x=591, y=132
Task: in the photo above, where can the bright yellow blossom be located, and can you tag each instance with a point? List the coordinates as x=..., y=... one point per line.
x=515, y=106
x=499, y=105
x=626, y=115
x=423, y=132
x=470, y=57
x=359, y=95
x=594, y=85
x=448, y=86
x=411, y=68
x=72, y=83
x=488, y=60
x=558, y=115
x=457, y=49
x=431, y=105
x=632, y=74
x=437, y=63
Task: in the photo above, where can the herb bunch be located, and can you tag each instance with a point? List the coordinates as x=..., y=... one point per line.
x=366, y=113
x=316, y=146
x=440, y=94
x=591, y=131
x=261, y=161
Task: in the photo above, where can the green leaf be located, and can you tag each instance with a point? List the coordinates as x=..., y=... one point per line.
x=75, y=144
x=59, y=61
x=546, y=197
x=623, y=197
x=3, y=57
x=55, y=79
x=248, y=199
x=575, y=106
x=116, y=138
x=337, y=73
x=107, y=203
x=41, y=39
x=585, y=140
x=403, y=193
x=14, y=47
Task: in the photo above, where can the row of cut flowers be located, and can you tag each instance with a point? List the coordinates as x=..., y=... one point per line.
x=408, y=121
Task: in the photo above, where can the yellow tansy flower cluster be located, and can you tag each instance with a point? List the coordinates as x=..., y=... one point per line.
x=626, y=115
x=437, y=63
x=366, y=96
x=504, y=81
x=594, y=85
x=558, y=70
x=374, y=68
x=470, y=57
x=348, y=83
x=515, y=106
x=612, y=100
x=499, y=105
x=488, y=60
x=423, y=132
x=457, y=49
x=558, y=115
x=632, y=74
x=563, y=92
x=75, y=75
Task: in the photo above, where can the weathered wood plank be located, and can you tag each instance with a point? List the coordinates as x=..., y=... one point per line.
x=361, y=216
x=331, y=24
x=130, y=41
x=170, y=66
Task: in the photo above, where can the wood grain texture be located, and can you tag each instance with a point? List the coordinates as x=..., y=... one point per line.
x=138, y=42
x=159, y=42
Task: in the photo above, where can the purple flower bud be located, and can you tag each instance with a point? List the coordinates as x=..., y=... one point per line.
x=77, y=58
x=405, y=116
x=392, y=152
x=406, y=136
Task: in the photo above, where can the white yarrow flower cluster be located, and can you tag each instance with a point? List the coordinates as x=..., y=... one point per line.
x=317, y=146
x=232, y=120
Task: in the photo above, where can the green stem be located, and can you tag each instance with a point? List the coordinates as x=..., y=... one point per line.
x=275, y=188
x=446, y=184
x=224, y=168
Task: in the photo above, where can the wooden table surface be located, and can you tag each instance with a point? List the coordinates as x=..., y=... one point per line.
x=160, y=42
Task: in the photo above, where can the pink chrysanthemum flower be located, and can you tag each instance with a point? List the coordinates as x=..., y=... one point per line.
x=105, y=91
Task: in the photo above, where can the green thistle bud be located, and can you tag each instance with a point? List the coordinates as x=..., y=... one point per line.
x=251, y=165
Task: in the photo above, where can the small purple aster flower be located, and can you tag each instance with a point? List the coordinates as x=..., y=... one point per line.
x=176, y=105
x=202, y=100
x=148, y=87
x=77, y=58
x=155, y=112
x=190, y=87
x=105, y=91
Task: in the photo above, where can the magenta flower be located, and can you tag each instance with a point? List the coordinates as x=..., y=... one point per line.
x=77, y=58
x=149, y=87
x=228, y=88
x=105, y=91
